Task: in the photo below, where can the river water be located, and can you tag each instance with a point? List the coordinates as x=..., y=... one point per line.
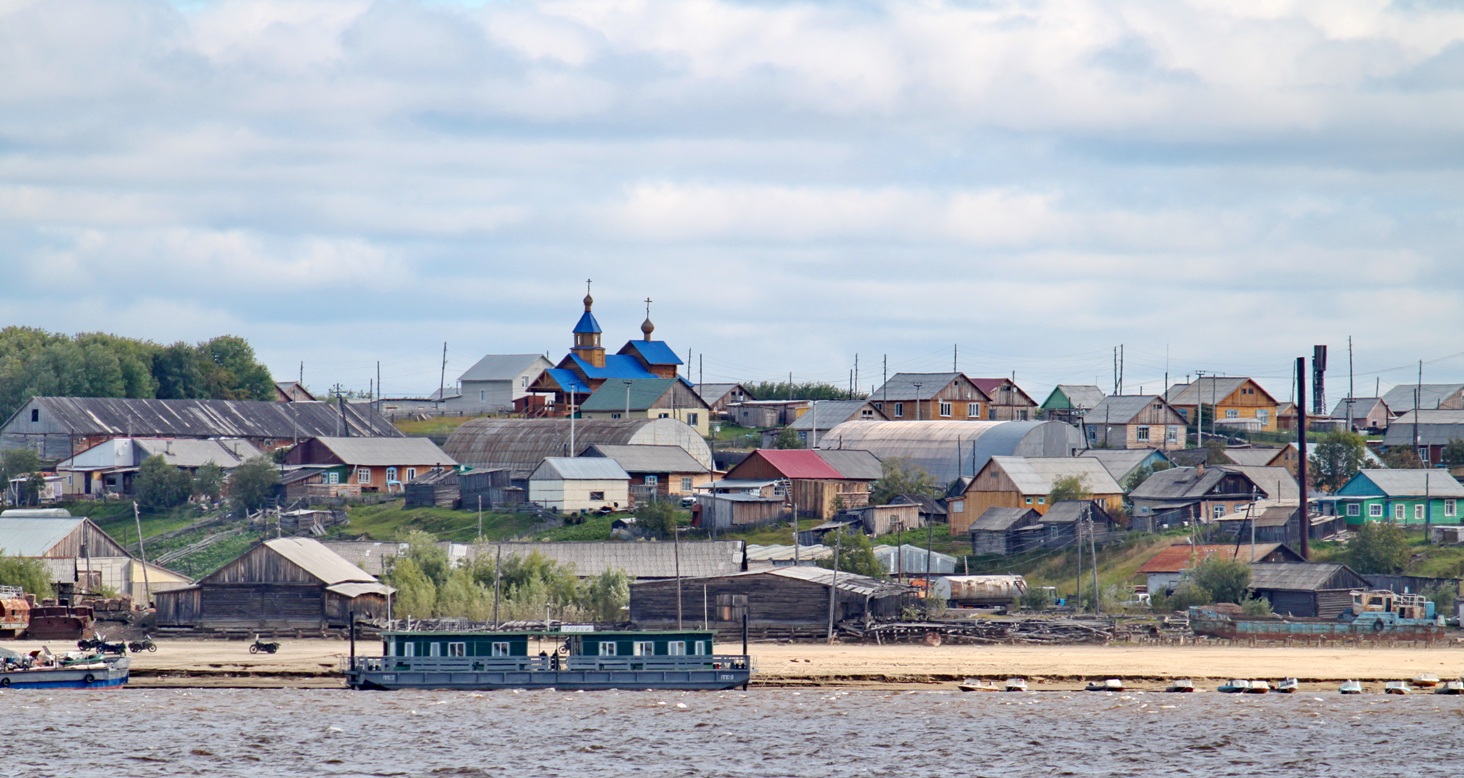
x=238, y=732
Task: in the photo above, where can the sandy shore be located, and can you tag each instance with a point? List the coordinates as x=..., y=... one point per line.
x=313, y=663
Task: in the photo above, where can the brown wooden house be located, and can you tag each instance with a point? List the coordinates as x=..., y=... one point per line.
x=1026, y=482
x=1134, y=421
x=1008, y=401
x=782, y=597
x=819, y=486
x=930, y=397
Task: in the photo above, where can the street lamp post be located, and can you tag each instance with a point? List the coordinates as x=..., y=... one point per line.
x=917, y=400
x=627, y=398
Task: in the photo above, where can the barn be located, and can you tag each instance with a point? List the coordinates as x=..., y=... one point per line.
x=280, y=584
x=781, y=597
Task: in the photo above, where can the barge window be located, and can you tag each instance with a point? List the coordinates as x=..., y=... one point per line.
x=409, y=649
x=676, y=648
x=644, y=648
x=434, y=649
x=607, y=649
x=500, y=649
x=701, y=648
x=457, y=649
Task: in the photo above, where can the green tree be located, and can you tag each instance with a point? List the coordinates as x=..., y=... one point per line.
x=252, y=485
x=1068, y=487
x=811, y=390
x=1401, y=458
x=28, y=573
x=230, y=371
x=160, y=486
x=1225, y=579
x=1142, y=473
x=208, y=481
x=607, y=595
x=462, y=596
x=1215, y=452
x=176, y=373
x=787, y=438
x=427, y=554
x=1454, y=452
x=1378, y=548
x=1336, y=459
x=14, y=463
x=658, y=517
x=899, y=476
x=416, y=595
x=855, y=554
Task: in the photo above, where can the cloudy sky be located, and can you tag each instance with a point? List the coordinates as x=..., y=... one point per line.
x=1016, y=186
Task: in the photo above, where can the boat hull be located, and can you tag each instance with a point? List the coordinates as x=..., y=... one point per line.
x=1207, y=621
x=564, y=680
x=109, y=675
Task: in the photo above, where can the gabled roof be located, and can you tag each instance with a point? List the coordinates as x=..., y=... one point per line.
x=616, y=366
x=566, y=380
x=1435, y=428
x=385, y=452
x=1403, y=483
x=1036, y=475
x=1182, y=556
x=1430, y=396
x=502, y=367
x=579, y=469
x=654, y=352
x=796, y=464
x=711, y=393
x=1001, y=519
x=853, y=464
x=1361, y=406
x=318, y=561
x=638, y=395
x=34, y=537
x=648, y=459
x=1203, y=389
x=901, y=386
x=1254, y=457
x=1071, y=511
x=1078, y=397
x=122, y=417
x=188, y=452
x=1303, y=576
x=1189, y=484
x=1121, y=409
x=827, y=414
x=992, y=386
x=1119, y=462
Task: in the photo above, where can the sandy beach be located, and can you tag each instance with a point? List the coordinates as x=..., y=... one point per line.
x=315, y=663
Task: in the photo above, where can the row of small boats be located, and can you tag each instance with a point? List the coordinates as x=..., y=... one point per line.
x=1423, y=682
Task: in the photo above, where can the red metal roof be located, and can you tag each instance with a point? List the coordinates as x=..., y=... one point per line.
x=987, y=385
x=798, y=463
x=1176, y=558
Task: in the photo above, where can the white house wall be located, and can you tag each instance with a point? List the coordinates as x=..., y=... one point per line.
x=573, y=496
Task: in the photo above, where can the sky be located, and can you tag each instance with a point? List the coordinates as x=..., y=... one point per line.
x=1002, y=187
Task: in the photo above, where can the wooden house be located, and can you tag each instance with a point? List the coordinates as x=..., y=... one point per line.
x=796, y=598
x=1164, y=569
x=1267, y=521
x=1134, y=421
x=1427, y=432
x=818, y=487
x=1236, y=402
x=292, y=391
x=1007, y=400
x=824, y=415
x=1255, y=456
x=720, y=398
x=881, y=520
x=492, y=487
x=1183, y=495
x=1363, y=414
x=1026, y=482
x=372, y=464
x=648, y=398
x=929, y=397
x=1429, y=397
x=732, y=504
x=436, y=488
x=999, y=531
x=1407, y=497
x=764, y=414
x=574, y=484
x=1305, y=589
x=1070, y=403
x=656, y=472
x=1063, y=518
x=280, y=584
x=79, y=556
x=521, y=444
x=1123, y=463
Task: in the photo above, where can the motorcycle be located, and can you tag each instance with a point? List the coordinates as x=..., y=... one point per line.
x=96, y=641
x=146, y=644
x=267, y=646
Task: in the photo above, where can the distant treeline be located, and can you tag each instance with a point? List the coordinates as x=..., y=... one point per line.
x=38, y=363
x=783, y=390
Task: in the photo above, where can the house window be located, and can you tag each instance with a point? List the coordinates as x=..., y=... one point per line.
x=652, y=480
x=1143, y=434
x=391, y=474
x=958, y=506
x=1450, y=507
x=865, y=413
x=1375, y=511
x=1029, y=500
x=1398, y=513
x=597, y=496
x=1418, y=512
x=434, y=649
x=692, y=419
x=1263, y=416
x=973, y=410
x=1353, y=509
x=1092, y=432
x=1172, y=435
x=457, y=649
x=614, y=415
x=333, y=478
x=676, y=648
x=411, y=473
x=523, y=382
x=607, y=649
x=1217, y=511
x=877, y=406
x=1232, y=413
x=482, y=395
x=663, y=415
x=685, y=484
x=35, y=414
x=363, y=475
x=1041, y=500
x=500, y=649
x=945, y=409
x=899, y=410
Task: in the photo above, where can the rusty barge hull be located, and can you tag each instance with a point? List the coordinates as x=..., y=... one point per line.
x=1222, y=625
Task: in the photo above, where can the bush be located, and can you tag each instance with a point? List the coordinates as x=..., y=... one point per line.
x=28, y=573
x=160, y=486
x=1256, y=606
x=252, y=484
x=1038, y=598
x=1378, y=548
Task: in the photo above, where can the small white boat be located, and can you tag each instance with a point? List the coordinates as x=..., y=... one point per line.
x=1287, y=686
x=1234, y=686
x=1181, y=686
x=1425, y=680
x=1397, y=687
x=1108, y=685
x=1258, y=687
x=977, y=685
x=1350, y=687
x=1450, y=687
x=1016, y=684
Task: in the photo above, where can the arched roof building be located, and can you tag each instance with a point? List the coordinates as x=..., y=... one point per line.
x=521, y=444
x=951, y=449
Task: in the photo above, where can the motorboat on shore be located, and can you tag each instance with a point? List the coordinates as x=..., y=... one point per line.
x=1397, y=687
x=1425, y=680
x=1450, y=687
x=978, y=685
x=1350, y=687
x=1180, y=686
x=1106, y=685
x=40, y=669
x=1016, y=684
x=1258, y=687
x=1234, y=686
x=1288, y=686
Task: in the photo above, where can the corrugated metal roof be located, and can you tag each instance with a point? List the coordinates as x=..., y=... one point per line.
x=1036, y=476
x=1361, y=406
x=649, y=459
x=792, y=463
x=1252, y=457
x=579, y=469
x=319, y=561
x=1079, y=397
x=825, y=414
x=185, y=452
x=1208, y=390
x=848, y=582
x=853, y=464
x=1121, y=409
x=764, y=554
x=1435, y=428
x=654, y=352
x=1066, y=511
x=1400, y=398
x=1119, y=462
x=385, y=452
x=503, y=367
x=901, y=386
x=1405, y=483
x=999, y=519
x=949, y=449
x=23, y=536
x=122, y=417
x=616, y=366
x=1182, y=556
x=521, y=444
x=636, y=394
x=1186, y=483
x=567, y=380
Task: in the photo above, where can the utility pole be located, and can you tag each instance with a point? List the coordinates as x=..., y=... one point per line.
x=917, y=386
x=834, y=583
x=442, y=379
x=141, y=555
x=1301, y=457
x=1093, y=548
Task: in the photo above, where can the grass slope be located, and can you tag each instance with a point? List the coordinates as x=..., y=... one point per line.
x=388, y=520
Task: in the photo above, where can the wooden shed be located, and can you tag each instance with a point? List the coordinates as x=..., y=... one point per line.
x=1306, y=588
x=995, y=531
x=437, y=487
x=790, y=597
x=285, y=583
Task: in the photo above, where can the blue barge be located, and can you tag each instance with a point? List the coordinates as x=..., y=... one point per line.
x=41, y=670
x=1374, y=616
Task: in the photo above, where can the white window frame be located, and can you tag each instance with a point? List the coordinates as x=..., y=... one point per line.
x=1451, y=507
x=1398, y=512
x=676, y=648
x=652, y=480
x=1354, y=509
x=391, y=474
x=1231, y=413
x=411, y=473
x=1375, y=511
x=457, y=649
x=333, y=477
x=701, y=648
x=1418, y=512
x=899, y=410
x=607, y=649
x=1171, y=434
x=643, y=648
x=1141, y=434
x=434, y=649
x=1217, y=510
x=363, y=475
x=409, y=649
x=500, y=648
x=958, y=506
x=686, y=484
x=945, y=409
x=973, y=410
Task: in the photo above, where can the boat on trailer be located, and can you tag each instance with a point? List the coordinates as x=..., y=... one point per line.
x=570, y=658
x=72, y=670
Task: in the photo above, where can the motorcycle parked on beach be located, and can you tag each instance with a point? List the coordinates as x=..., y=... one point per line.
x=267, y=646
x=146, y=644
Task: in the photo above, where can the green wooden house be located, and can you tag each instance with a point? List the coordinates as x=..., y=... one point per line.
x=1410, y=497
